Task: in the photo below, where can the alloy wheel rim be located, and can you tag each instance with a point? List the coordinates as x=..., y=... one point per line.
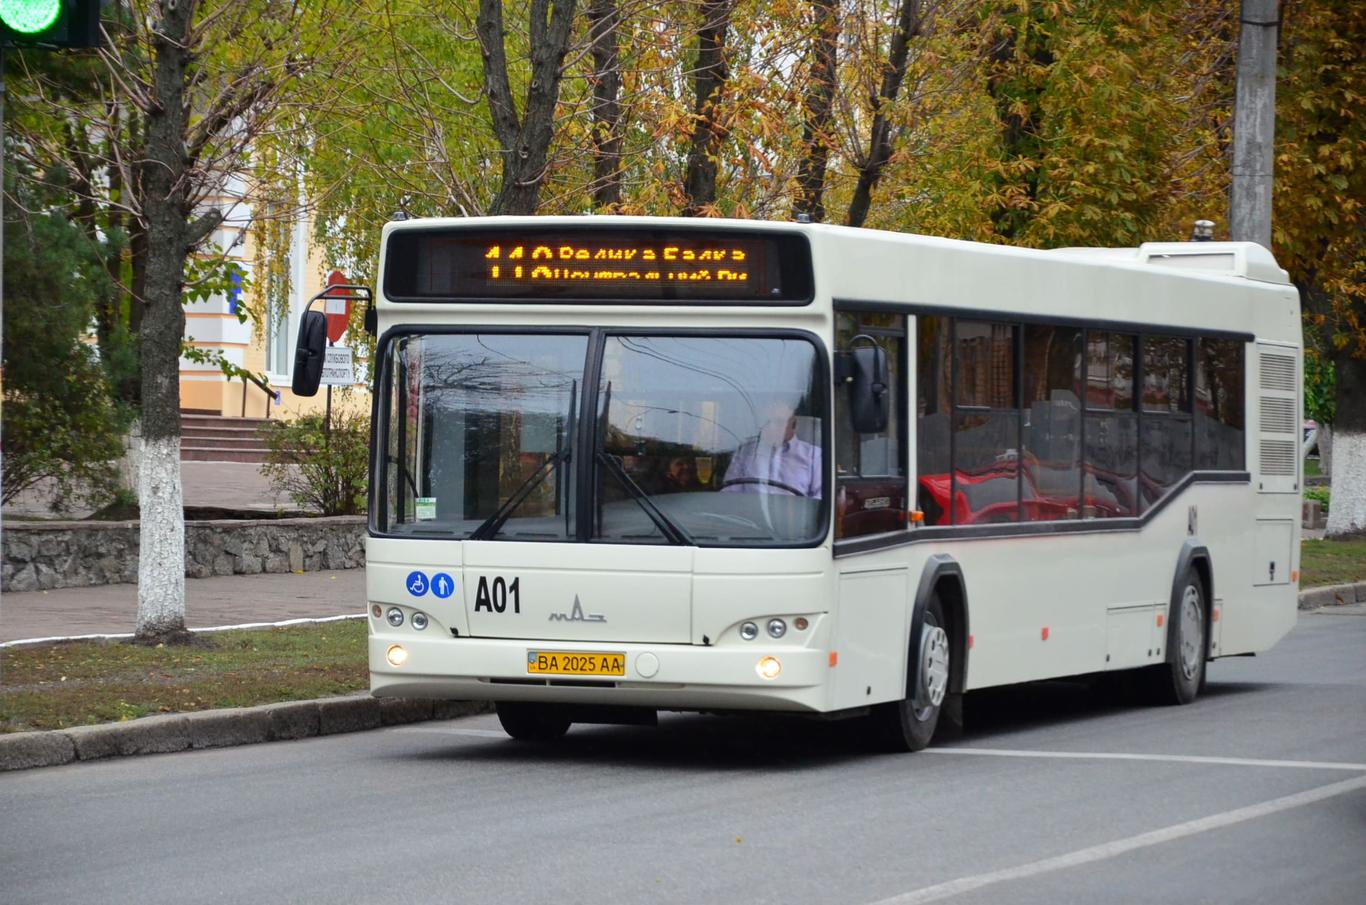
x=932, y=681
x=1192, y=632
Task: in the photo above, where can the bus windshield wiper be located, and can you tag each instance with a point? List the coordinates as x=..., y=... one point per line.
x=490, y=527
x=667, y=526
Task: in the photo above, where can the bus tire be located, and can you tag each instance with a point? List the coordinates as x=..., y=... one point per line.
x=527, y=722
x=1182, y=676
x=909, y=724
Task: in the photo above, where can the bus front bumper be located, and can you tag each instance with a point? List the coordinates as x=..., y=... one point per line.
x=662, y=676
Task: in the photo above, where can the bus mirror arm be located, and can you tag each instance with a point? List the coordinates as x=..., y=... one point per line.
x=865, y=370
x=310, y=350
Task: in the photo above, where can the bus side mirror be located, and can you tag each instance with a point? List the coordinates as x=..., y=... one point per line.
x=371, y=317
x=309, y=353
x=869, y=385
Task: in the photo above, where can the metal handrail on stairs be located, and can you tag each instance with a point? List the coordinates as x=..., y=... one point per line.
x=271, y=395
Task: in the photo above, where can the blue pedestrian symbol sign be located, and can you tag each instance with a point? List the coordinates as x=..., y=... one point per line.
x=442, y=585
x=417, y=584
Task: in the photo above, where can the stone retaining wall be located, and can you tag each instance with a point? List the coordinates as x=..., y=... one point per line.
x=45, y=555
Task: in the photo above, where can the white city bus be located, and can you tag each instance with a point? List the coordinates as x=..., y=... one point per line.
x=623, y=465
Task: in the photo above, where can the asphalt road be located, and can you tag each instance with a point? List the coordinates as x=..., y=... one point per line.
x=1055, y=794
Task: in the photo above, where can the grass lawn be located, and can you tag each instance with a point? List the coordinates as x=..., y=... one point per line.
x=53, y=686
x=1311, y=468
x=1332, y=562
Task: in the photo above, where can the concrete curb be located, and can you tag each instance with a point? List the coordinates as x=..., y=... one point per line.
x=1333, y=595
x=223, y=728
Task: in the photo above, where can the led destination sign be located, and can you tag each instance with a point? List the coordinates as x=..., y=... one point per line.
x=616, y=265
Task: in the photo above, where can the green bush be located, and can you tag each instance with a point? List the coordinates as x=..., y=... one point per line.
x=62, y=428
x=1317, y=493
x=327, y=472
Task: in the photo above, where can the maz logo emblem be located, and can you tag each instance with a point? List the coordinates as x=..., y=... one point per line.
x=576, y=614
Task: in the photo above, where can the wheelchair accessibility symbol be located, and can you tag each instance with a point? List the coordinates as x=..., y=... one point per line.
x=417, y=584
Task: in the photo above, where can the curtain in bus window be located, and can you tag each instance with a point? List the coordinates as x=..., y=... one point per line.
x=1165, y=452
x=932, y=383
x=986, y=425
x=1109, y=487
x=1219, y=441
x=1052, y=428
x=870, y=468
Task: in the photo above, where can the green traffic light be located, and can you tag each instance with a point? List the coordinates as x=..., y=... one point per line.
x=30, y=17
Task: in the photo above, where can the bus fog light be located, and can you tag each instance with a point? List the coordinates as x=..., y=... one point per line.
x=395, y=616
x=769, y=668
x=749, y=631
x=419, y=621
x=777, y=628
x=396, y=655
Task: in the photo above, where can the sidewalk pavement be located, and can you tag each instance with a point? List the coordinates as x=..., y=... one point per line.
x=209, y=602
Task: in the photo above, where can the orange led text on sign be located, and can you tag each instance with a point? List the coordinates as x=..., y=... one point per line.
x=574, y=262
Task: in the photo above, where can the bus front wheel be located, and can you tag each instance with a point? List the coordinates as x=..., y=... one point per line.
x=532, y=722
x=909, y=724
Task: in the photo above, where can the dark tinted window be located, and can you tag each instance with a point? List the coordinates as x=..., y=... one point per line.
x=986, y=425
x=1165, y=453
x=1052, y=423
x=1109, y=370
x=1219, y=425
x=934, y=380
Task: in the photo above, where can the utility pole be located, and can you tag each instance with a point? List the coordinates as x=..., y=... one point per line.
x=1254, y=123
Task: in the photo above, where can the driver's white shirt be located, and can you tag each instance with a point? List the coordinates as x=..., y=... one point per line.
x=794, y=462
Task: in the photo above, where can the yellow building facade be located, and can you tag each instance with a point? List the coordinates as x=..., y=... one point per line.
x=264, y=344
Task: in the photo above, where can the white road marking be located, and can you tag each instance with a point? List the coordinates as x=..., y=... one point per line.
x=1094, y=853
x=1165, y=758
x=23, y=642
x=442, y=730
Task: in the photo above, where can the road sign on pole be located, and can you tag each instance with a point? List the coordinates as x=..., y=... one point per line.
x=337, y=307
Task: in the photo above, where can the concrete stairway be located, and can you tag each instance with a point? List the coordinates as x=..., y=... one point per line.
x=216, y=438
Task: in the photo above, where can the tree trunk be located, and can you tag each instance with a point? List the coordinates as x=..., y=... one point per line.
x=525, y=139
x=816, y=106
x=1347, y=508
x=604, y=20
x=871, y=167
x=1325, y=442
x=161, y=559
x=709, y=84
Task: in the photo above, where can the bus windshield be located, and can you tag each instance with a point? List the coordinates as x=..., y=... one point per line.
x=695, y=440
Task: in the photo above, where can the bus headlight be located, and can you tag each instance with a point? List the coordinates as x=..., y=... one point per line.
x=396, y=655
x=395, y=616
x=749, y=631
x=777, y=628
x=769, y=668
x=419, y=621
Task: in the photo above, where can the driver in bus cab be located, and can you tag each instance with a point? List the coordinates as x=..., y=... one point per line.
x=777, y=460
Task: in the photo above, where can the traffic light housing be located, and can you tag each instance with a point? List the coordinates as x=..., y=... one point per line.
x=50, y=23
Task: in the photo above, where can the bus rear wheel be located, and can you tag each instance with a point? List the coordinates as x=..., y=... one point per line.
x=1180, y=679
x=909, y=724
x=532, y=722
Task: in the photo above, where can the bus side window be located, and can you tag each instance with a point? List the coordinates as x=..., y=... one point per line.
x=870, y=469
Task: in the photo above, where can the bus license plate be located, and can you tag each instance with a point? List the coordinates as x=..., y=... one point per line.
x=575, y=663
